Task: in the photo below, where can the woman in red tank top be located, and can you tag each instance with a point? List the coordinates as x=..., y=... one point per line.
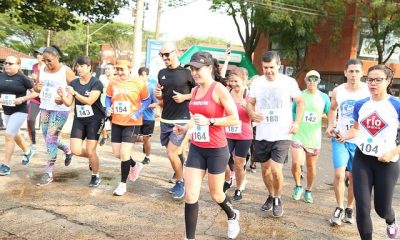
x=212, y=109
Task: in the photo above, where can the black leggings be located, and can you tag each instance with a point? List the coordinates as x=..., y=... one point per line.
x=368, y=172
x=33, y=111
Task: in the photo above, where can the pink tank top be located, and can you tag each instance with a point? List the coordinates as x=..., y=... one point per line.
x=245, y=130
x=209, y=108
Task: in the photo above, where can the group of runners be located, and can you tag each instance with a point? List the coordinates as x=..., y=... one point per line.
x=218, y=118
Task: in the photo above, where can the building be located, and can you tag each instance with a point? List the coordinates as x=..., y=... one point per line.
x=26, y=60
x=330, y=59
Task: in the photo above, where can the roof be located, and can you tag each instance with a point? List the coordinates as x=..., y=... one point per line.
x=5, y=51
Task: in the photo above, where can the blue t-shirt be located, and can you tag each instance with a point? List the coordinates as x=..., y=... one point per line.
x=148, y=113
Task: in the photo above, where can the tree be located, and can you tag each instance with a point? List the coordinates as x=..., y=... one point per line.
x=289, y=24
x=380, y=23
x=250, y=13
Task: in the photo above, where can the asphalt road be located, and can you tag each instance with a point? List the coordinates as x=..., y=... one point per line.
x=69, y=209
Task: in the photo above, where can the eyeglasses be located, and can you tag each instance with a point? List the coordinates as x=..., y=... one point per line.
x=166, y=54
x=9, y=63
x=376, y=80
x=312, y=79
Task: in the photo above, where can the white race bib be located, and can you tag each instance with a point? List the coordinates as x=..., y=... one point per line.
x=237, y=129
x=201, y=134
x=122, y=107
x=8, y=100
x=373, y=147
x=48, y=93
x=271, y=116
x=83, y=111
x=310, y=117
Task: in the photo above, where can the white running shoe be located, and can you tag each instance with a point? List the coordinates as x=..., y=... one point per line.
x=135, y=171
x=120, y=190
x=233, y=226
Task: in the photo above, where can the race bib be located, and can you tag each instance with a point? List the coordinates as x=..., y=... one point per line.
x=237, y=129
x=373, y=147
x=201, y=134
x=8, y=100
x=310, y=117
x=48, y=93
x=122, y=107
x=83, y=111
x=271, y=116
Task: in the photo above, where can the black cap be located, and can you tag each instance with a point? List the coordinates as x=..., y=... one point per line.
x=200, y=59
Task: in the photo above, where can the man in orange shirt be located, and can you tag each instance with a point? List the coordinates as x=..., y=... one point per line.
x=127, y=97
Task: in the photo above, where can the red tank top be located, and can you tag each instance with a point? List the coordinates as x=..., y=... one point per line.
x=209, y=108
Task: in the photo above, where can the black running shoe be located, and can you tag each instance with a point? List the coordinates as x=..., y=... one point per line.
x=94, y=181
x=146, y=160
x=68, y=159
x=267, y=206
x=238, y=195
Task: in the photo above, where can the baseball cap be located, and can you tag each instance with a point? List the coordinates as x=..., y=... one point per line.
x=200, y=59
x=40, y=50
x=123, y=64
x=313, y=73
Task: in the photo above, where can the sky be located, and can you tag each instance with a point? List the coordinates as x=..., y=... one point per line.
x=195, y=19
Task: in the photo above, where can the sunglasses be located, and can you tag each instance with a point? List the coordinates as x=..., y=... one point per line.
x=312, y=79
x=9, y=63
x=166, y=54
x=376, y=80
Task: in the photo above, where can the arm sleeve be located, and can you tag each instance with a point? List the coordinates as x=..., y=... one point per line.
x=108, y=103
x=145, y=104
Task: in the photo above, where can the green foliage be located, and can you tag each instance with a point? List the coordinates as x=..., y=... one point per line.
x=289, y=24
x=380, y=22
x=191, y=40
x=58, y=15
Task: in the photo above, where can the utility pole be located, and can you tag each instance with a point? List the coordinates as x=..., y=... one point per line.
x=158, y=22
x=137, y=35
x=48, y=38
x=87, y=39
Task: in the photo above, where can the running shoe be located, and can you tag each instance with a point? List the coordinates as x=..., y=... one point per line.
x=103, y=141
x=392, y=230
x=135, y=171
x=267, y=206
x=4, y=170
x=27, y=157
x=297, y=191
x=252, y=167
x=348, y=216
x=238, y=195
x=146, y=160
x=95, y=181
x=227, y=185
x=172, y=179
x=277, y=209
x=120, y=190
x=308, y=197
x=337, y=217
x=233, y=225
x=179, y=190
x=68, y=159
x=45, y=179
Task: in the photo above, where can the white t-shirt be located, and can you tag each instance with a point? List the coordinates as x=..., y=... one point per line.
x=378, y=122
x=274, y=101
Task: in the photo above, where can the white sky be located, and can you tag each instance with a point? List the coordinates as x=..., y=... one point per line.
x=195, y=19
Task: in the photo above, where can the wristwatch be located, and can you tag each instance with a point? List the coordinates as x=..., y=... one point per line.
x=212, y=121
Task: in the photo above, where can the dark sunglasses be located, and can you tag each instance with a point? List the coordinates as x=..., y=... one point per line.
x=9, y=63
x=312, y=79
x=166, y=54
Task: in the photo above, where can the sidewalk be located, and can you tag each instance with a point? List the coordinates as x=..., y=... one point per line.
x=69, y=209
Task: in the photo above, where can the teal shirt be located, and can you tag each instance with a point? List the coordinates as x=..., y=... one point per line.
x=315, y=105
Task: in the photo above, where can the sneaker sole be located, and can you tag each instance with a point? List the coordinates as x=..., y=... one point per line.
x=333, y=224
x=115, y=194
x=95, y=185
x=44, y=184
x=179, y=197
x=278, y=216
x=265, y=210
x=4, y=174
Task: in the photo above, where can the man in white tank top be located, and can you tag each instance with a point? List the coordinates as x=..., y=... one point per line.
x=343, y=99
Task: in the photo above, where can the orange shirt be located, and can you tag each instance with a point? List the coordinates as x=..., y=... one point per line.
x=126, y=98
